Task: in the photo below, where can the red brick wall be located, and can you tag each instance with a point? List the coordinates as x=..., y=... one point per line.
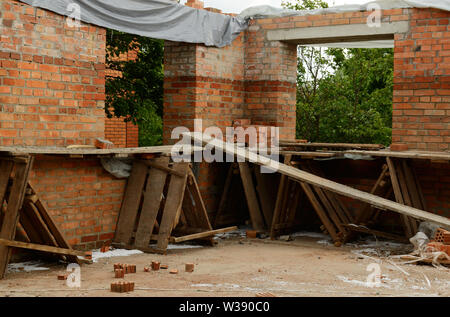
x=83, y=198
x=121, y=133
x=52, y=79
x=421, y=117
x=52, y=92
x=421, y=108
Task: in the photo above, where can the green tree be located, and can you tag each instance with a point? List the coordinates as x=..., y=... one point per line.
x=137, y=94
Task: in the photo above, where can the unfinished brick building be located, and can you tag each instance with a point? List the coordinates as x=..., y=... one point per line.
x=52, y=93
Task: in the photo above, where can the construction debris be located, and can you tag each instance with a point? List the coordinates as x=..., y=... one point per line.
x=189, y=267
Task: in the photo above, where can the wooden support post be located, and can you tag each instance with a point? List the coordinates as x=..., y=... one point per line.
x=152, y=202
x=252, y=199
x=11, y=217
x=130, y=204
x=279, y=202
x=173, y=205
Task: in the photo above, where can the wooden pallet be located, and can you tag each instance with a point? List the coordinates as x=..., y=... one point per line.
x=22, y=208
x=162, y=203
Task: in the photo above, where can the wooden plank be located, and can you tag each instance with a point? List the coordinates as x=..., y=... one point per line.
x=341, y=210
x=152, y=202
x=131, y=202
x=5, y=172
x=30, y=229
x=382, y=203
x=319, y=210
x=199, y=207
x=252, y=200
x=292, y=210
x=366, y=213
x=412, y=186
x=279, y=201
x=377, y=233
x=30, y=211
x=50, y=223
x=419, y=189
x=175, y=196
x=225, y=192
x=38, y=247
x=203, y=234
x=262, y=188
x=406, y=196
x=398, y=195
x=162, y=167
x=11, y=217
x=333, y=145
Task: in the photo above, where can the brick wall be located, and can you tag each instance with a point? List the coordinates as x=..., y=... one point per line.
x=82, y=197
x=421, y=101
x=52, y=78
x=255, y=79
x=121, y=133
x=421, y=117
x=52, y=92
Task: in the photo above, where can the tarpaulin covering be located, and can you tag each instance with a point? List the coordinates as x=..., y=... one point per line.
x=160, y=19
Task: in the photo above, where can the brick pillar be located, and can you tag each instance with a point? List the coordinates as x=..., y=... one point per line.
x=270, y=80
x=421, y=108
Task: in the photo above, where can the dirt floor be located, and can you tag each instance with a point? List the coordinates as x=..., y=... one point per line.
x=240, y=267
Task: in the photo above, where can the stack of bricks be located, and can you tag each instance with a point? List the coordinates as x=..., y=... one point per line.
x=441, y=242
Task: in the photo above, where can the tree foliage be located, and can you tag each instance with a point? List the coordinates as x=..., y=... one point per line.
x=137, y=94
x=343, y=95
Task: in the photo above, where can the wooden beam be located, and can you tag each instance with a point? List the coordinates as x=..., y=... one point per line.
x=131, y=202
x=252, y=200
x=152, y=202
x=226, y=190
x=162, y=167
x=38, y=247
x=174, y=201
x=309, y=178
x=11, y=217
x=376, y=233
x=202, y=234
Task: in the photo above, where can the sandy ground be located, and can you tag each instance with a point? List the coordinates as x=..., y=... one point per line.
x=241, y=267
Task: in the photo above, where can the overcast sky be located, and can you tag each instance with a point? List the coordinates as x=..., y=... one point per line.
x=236, y=6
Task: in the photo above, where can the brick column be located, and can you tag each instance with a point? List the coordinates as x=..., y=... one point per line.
x=421, y=110
x=270, y=79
